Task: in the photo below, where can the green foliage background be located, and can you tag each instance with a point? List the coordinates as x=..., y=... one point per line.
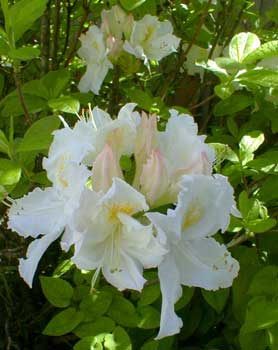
x=234, y=103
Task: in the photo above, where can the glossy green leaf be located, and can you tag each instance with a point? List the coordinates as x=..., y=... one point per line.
x=98, y=326
x=216, y=299
x=149, y=317
x=266, y=50
x=242, y=45
x=64, y=322
x=232, y=105
x=67, y=104
x=118, y=340
x=265, y=282
x=57, y=291
x=39, y=136
x=123, y=312
x=24, y=13
x=10, y=172
x=261, y=77
x=96, y=304
x=4, y=143
x=261, y=313
x=24, y=53
x=130, y=5
x=88, y=343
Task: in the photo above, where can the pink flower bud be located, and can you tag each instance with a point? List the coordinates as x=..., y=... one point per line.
x=154, y=179
x=105, y=168
x=145, y=143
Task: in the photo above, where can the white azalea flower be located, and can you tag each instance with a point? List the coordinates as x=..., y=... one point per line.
x=69, y=144
x=151, y=39
x=179, y=150
x=47, y=212
x=194, y=257
x=93, y=50
x=112, y=239
x=116, y=23
x=119, y=133
x=116, y=26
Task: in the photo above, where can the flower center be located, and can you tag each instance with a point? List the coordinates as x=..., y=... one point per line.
x=120, y=208
x=192, y=216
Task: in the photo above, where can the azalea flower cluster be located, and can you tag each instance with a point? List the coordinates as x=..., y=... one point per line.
x=101, y=47
x=112, y=220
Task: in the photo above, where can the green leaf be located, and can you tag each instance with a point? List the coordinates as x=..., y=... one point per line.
x=62, y=268
x=149, y=294
x=57, y=291
x=261, y=313
x=100, y=325
x=266, y=162
x=212, y=66
x=4, y=143
x=252, y=341
x=249, y=265
x=269, y=189
x=224, y=90
x=96, y=304
x=13, y=106
x=130, y=5
x=64, y=322
x=67, y=104
x=118, y=340
x=24, y=13
x=265, y=282
x=10, y=172
x=187, y=294
x=147, y=102
x=55, y=81
x=232, y=105
x=149, y=317
x=216, y=299
x=123, y=312
x=249, y=143
x=242, y=45
x=273, y=337
x=24, y=53
x=261, y=225
x=262, y=77
x=39, y=136
x=89, y=343
x=4, y=46
x=150, y=345
x=266, y=50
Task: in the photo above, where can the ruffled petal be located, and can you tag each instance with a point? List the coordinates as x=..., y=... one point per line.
x=39, y=212
x=205, y=263
x=105, y=167
x=36, y=249
x=138, y=241
x=171, y=290
x=124, y=197
x=128, y=275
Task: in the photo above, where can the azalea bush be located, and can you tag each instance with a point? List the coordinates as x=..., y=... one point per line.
x=138, y=175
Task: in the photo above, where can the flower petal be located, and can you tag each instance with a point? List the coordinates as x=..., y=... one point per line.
x=122, y=194
x=154, y=179
x=39, y=212
x=205, y=204
x=171, y=290
x=139, y=242
x=205, y=263
x=129, y=274
x=27, y=267
x=105, y=167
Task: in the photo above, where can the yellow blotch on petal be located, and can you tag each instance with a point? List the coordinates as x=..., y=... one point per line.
x=115, y=209
x=192, y=216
